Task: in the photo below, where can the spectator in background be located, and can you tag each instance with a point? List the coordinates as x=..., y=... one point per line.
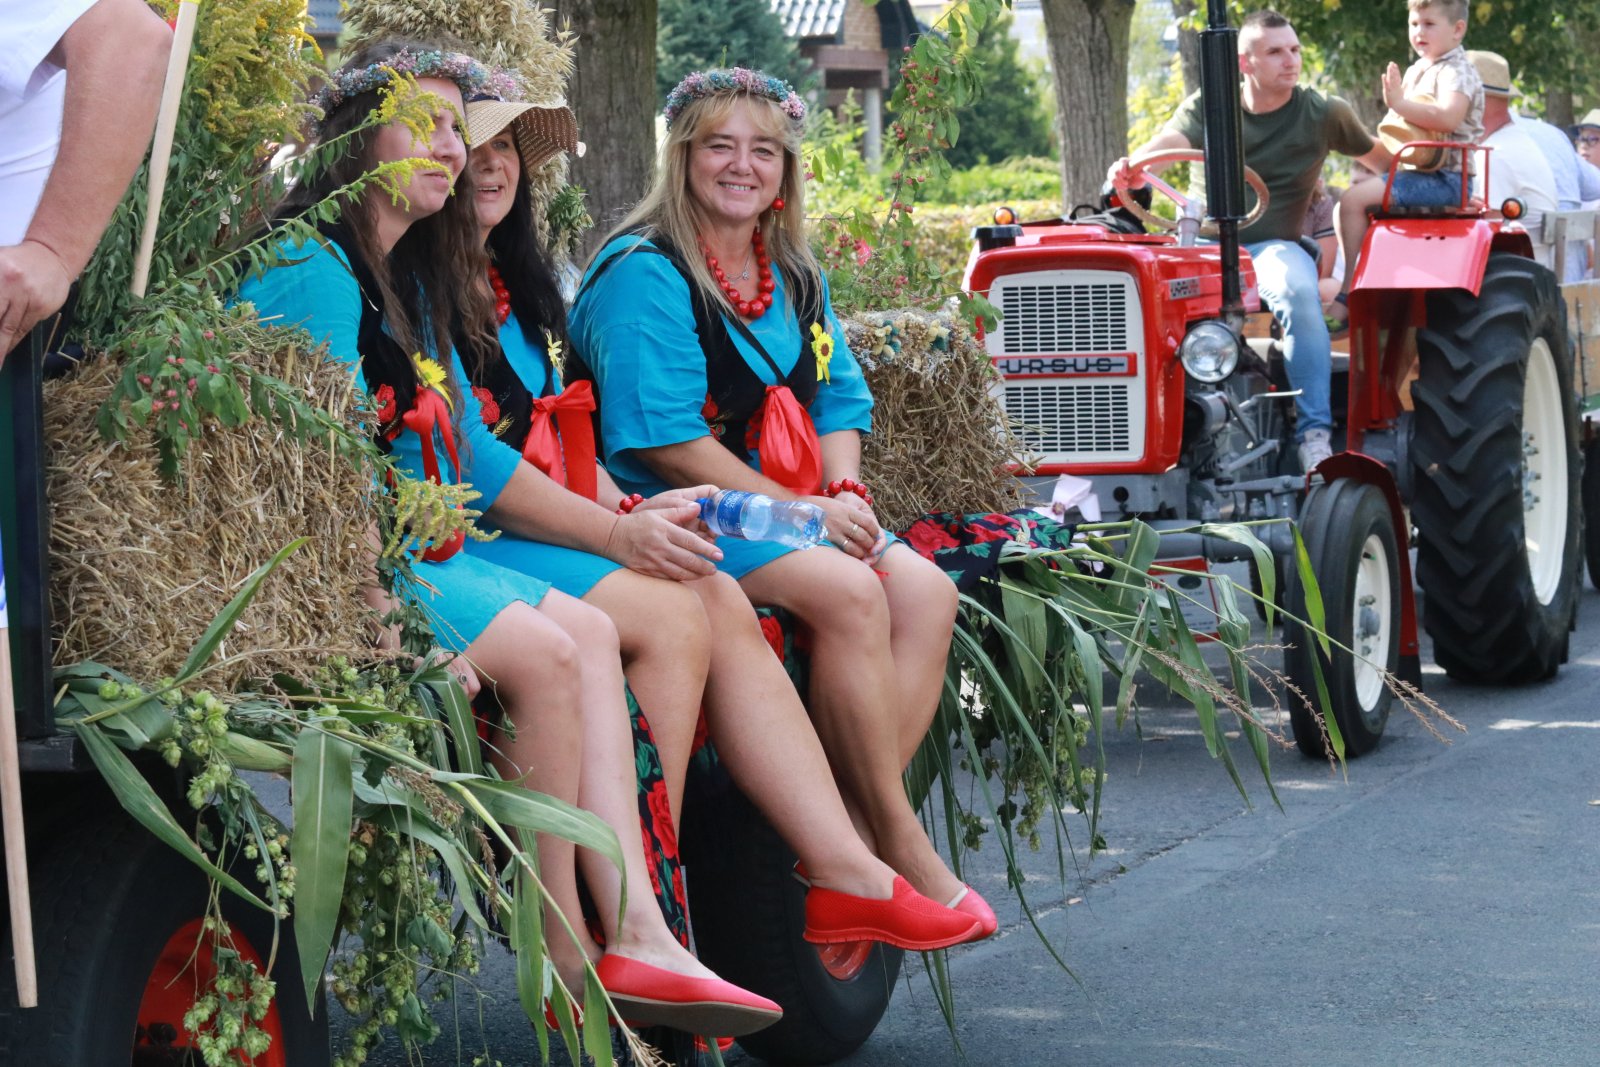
x=1577, y=182
x=1587, y=135
x=80, y=81
x=1517, y=167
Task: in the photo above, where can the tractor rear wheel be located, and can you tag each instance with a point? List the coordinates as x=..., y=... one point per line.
x=748, y=913
x=1591, y=510
x=1350, y=538
x=1494, y=455
x=118, y=920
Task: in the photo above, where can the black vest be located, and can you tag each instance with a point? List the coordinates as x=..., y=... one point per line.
x=735, y=393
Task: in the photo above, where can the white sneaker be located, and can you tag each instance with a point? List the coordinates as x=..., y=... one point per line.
x=1315, y=446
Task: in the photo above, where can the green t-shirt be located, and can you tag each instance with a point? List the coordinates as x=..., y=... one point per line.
x=1287, y=148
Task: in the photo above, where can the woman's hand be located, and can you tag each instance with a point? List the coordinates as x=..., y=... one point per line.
x=663, y=537
x=461, y=670
x=851, y=525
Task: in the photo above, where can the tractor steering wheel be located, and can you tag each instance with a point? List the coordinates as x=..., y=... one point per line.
x=1180, y=155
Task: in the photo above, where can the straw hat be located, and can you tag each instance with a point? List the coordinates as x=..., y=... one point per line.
x=542, y=131
x=1394, y=132
x=1494, y=70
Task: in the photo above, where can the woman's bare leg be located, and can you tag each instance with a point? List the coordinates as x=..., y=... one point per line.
x=532, y=667
x=666, y=649
x=771, y=749
x=609, y=788
x=855, y=700
x=922, y=618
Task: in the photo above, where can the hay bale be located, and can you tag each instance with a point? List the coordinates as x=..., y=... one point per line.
x=940, y=440
x=140, y=566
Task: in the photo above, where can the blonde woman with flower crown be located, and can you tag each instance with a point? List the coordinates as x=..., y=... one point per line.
x=378, y=290
x=706, y=326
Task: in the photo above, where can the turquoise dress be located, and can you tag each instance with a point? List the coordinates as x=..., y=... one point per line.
x=319, y=293
x=573, y=572
x=635, y=328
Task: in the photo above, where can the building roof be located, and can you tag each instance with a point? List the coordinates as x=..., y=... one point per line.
x=810, y=18
x=325, y=20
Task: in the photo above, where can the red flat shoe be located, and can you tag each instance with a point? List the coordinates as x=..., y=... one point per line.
x=906, y=920
x=968, y=902
x=647, y=995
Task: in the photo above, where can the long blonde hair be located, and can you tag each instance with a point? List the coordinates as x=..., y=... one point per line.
x=668, y=209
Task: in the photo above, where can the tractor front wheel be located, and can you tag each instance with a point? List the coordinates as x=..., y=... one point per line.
x=1350, y=538
x=1494, y=454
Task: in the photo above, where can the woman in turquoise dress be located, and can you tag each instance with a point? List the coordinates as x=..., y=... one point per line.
x=705, y=324
x=752, y=711
x=375, y=290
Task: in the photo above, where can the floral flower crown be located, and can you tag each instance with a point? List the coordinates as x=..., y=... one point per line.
x=704, y=83
x=470, y=75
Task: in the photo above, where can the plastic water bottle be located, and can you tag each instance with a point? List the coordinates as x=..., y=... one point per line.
x=754, y=517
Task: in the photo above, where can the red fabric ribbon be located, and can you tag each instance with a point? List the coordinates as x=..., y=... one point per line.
x=561, y=438
x=791, y=452
x=428, y=414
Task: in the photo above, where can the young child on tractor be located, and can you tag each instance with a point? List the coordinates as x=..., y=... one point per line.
x=1441, y=98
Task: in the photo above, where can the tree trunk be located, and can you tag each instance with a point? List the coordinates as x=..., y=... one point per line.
x=1088, y=42
x=1188, y=45
x=614, y=96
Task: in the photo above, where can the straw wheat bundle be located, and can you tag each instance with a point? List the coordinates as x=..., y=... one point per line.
x=140, y=565
x=939, y=439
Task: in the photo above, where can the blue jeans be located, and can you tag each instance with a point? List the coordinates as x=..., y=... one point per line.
x=1432, y=188
x=1287, y=280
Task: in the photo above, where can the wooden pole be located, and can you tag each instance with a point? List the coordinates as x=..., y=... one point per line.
x=161, y=152
x=11, y=823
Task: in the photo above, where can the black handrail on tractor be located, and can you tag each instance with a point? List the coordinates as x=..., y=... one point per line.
x=24, y=529
x=1224, y=149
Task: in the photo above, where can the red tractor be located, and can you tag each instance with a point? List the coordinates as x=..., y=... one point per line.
x=1123, y=363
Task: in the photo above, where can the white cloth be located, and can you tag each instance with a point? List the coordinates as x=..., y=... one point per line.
x=1518, y=168
x=1577, y=180
x=32, y=94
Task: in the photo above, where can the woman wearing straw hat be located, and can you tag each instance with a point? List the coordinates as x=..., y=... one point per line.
x=752, y=710
x=552, y=659
x=706, y=324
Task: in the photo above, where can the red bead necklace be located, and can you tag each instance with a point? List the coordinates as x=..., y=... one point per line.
x=502, y=295
x=757, y=305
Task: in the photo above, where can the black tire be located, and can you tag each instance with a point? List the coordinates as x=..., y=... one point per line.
x=107, y=896
x=1350, y=538
x=1498, y=603
x=1591, y=510
x=748, y=912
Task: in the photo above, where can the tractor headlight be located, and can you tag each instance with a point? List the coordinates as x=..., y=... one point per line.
x=1209, y=351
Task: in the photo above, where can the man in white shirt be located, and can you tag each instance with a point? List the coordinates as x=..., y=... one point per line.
x=80, y=81
x=1577, y=182
x=1517, y=167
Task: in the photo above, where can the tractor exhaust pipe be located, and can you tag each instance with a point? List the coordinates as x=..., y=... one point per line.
x=1224, y=148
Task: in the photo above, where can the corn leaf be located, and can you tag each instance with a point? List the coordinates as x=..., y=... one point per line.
x=229, y=615
x=320, y=845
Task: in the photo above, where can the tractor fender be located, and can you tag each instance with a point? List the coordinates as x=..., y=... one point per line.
x=1424, y=253
x=1363, y=468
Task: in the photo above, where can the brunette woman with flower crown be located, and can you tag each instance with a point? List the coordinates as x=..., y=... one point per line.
x=754, y=715
x=706, y=326
x=381, y=286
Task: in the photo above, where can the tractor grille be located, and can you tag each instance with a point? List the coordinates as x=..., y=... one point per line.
x=1075, y=421
x=1077, y=316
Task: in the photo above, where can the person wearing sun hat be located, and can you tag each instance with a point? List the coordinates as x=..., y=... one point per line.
x=1517, y=167
x=751, y=709
x=705, y=324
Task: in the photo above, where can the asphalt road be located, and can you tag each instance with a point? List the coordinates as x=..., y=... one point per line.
x=1435, y=904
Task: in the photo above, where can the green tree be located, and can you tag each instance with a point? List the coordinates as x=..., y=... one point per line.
x=695, y=34
x=1007, y=120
